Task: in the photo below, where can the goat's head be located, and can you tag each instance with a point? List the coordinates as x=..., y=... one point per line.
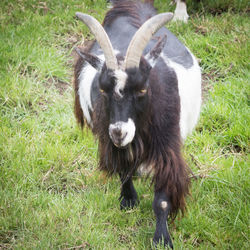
x=124, y=84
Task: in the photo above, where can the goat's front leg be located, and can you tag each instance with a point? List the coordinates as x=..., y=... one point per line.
x=161, y=206
x=128, y=198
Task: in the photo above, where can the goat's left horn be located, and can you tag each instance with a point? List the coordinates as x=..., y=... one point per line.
x=102, y=38
x=142, y=37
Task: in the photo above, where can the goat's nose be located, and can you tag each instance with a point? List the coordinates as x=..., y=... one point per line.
x=116, y=135
x=116, y=132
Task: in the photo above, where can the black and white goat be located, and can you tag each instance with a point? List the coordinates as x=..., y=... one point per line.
x=139, y=89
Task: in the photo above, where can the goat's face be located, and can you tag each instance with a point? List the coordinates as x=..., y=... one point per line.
x=125, y=86
x=125, y=96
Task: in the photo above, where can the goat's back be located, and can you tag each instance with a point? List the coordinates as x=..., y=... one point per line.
x=124, y=19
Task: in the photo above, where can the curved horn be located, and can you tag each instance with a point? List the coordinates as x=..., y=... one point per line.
x=102, y=38
x=142, y=37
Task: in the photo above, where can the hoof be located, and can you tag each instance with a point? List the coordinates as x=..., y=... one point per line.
x=166, y=241
x=128, y=203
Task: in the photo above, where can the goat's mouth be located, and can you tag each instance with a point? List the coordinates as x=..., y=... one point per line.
x=119, y=142
x=122, y=133
x=120, y=146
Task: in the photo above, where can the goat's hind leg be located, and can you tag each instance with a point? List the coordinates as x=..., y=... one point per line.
x=161, y=206
x=128, y=198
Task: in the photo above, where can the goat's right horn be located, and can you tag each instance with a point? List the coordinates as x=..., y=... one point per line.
x=102, y=38
x=142, y=37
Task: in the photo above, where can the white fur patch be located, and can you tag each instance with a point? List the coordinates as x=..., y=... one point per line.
x=127, y=131
x=144, y=169
x=121, y=78
x=86, y=78
x=189, y=85
x=164, y=205
x=150, y=60
x=180, y=13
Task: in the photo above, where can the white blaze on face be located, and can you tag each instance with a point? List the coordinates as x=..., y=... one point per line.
x=121, y=78
x=127, y=132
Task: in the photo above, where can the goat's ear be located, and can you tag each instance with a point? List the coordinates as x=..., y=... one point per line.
x=153, y=55
x=93, y=60
x=145, y=66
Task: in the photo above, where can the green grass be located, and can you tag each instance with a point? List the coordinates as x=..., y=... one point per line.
x=52, y=196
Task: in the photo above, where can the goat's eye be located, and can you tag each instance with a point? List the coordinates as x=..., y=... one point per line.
x=143, y=91
x=103, y=92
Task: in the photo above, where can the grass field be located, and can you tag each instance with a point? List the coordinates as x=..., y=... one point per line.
x=52, y=196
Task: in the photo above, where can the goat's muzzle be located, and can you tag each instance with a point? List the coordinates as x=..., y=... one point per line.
x=122, y=133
